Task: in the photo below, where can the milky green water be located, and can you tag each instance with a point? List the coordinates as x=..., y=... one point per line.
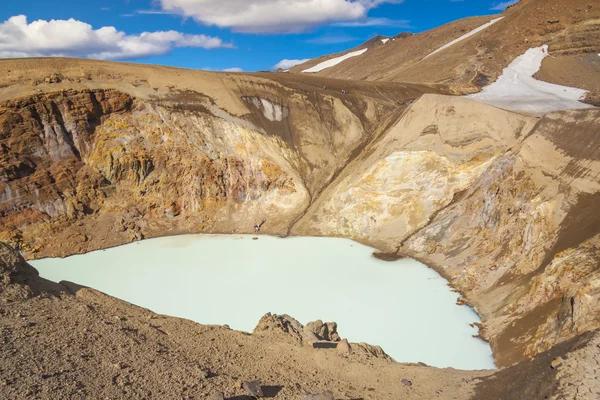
x=403, y=306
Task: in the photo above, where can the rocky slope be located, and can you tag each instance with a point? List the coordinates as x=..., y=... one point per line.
x=500, y=204
x=114, y=168
x=438, y=149
x=522, y=241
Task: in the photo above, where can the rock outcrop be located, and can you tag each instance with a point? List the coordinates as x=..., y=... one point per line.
x=17, y=278
x=438, y=148
x=323, y=331
x=287, y=329
x=282, y=327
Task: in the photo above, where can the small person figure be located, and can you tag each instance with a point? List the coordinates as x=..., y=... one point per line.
x=257, y=227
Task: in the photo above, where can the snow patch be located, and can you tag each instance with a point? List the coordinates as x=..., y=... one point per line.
x=466, y=35
x=384, y=41
x=334, y=61
x=517, y=90
x=272, y=111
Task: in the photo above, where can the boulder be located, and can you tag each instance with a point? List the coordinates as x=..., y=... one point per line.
x=282, y=326
x=253, y=388
x=323, y=331
x=318, y=328
x=332, y=332
x=54, y=78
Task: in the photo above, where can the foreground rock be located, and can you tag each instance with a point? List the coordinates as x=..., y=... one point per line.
x=314, y=334
x=253, y=388
x=323, y=331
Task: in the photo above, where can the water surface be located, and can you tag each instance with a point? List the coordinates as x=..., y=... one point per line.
x=403, y=306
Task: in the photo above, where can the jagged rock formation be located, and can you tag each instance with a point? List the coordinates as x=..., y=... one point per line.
x=314, y=334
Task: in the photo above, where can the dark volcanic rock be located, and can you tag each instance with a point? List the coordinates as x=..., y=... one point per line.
x=253, y=388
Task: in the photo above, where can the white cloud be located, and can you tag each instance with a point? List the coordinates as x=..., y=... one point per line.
x=272, y=16
x=287, y=64
x=502, y=6
x=72, y=38
x=154, y=12
x=234, y=69
x=399, y=23
x=331, y=39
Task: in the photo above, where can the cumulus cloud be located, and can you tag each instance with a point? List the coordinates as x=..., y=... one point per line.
x=234, y=69
x=72, y=38
x=272, y=16
x=331, y=39
x=398, y=23
x=502, y=6
x=287, y=64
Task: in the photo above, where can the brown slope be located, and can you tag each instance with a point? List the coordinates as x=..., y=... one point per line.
x=565, y=25
x=570, y=28
x=371, y=44
x=396, y=54
x=581, y=71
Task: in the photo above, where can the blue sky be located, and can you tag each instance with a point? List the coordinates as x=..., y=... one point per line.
x=216, y=34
